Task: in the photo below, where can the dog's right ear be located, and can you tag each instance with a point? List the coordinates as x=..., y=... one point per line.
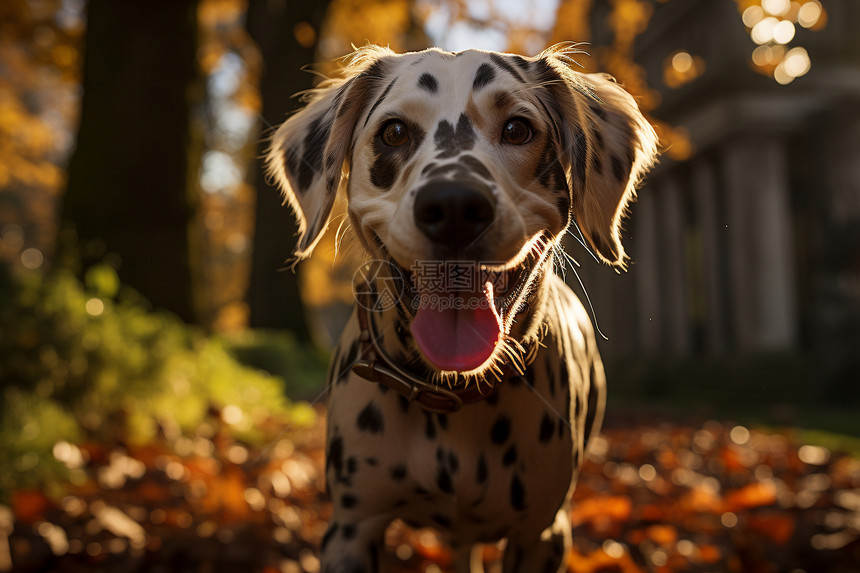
x=308, y=151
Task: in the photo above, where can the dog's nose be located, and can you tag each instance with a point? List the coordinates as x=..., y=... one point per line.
x=453, y=214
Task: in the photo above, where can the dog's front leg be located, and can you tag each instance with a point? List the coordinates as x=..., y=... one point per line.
x=544, y=554
x=468, y=558
x=353, y=547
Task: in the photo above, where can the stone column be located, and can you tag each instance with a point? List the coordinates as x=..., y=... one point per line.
x=645, y=269
x=707, y=214
x=760, y=245
x=672, y=268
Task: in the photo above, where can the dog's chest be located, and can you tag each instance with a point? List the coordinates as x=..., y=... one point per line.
x=482, y=472
x=491, y=467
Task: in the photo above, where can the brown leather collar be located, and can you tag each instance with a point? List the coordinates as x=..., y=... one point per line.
x=376, y=366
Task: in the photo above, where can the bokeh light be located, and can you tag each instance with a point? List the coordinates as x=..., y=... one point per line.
x=771, y=25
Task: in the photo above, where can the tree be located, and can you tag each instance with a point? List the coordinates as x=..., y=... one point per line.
x=286, y=33
x=133, y=174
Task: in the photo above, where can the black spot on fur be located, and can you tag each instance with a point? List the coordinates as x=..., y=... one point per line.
x=398, y=472
x=379, y=100
x=545, y=71
x=371, y=461
x=503, y=63
x=428, y=83
x=518, y=493
x=332, y=181
x=521, y=62
x=563, y=205
x=596, y=163
x=597, y=137
x=492, y=399
x=483, y=76
x=312, y=154
x=482, y=472
x=443, y=420
x=370, y=419
x=429, y=426
x=329, y=534
x=329, y=160
x=348, y=500
x=443, y=481
x=580, y=153
x=450, y=141
x=549, y=172
x=404, y=403
x=348, y=531
x=442, y=520
x=546, y=428
x=351, y=465
x=453, y=462
x=420, y=491
x=376, y=70
x=510, y=456
x=334, y=459
x=501, y=430
x=619, y=171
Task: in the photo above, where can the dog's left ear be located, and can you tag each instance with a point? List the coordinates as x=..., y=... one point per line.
x=610, y=148
x=308, y=151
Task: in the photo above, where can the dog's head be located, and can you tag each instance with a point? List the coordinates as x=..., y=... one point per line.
x=476, y=162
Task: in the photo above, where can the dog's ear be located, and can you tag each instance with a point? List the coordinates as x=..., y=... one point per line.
x=309, y=153
x=609, y=147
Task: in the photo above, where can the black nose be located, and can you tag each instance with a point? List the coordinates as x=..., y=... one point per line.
x=452, y=214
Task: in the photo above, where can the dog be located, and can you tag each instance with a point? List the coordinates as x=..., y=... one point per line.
x=467, y=381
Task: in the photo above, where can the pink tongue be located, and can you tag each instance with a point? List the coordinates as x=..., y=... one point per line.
x=457, y=339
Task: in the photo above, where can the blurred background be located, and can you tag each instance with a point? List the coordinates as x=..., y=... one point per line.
x=161, y=369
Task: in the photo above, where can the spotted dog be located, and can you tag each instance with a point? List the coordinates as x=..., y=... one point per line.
x=464, y=405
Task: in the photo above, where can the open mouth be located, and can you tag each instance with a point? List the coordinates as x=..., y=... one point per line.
x=465, y=310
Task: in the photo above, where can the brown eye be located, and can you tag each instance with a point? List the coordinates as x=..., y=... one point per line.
x=395, y=134
x=517, y=131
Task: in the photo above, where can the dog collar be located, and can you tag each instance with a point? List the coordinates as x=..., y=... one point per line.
x=376, y=366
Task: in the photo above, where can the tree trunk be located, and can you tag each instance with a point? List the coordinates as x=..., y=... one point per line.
x=131, y=189
x=273, y=292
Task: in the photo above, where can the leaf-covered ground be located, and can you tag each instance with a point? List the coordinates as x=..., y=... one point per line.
x=653, y=497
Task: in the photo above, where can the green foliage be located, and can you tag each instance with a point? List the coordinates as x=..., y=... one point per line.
x=93, y=361
x=278, y=353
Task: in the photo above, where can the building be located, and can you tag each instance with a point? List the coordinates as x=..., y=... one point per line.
x=746, y=256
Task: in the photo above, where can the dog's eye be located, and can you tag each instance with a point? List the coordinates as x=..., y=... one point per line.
x=395, y=134
x=517, y=131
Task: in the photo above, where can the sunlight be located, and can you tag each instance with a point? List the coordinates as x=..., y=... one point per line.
x=771, y=25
